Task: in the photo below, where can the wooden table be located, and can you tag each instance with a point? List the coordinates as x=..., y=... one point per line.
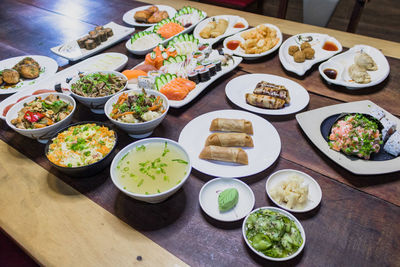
x=59, y=220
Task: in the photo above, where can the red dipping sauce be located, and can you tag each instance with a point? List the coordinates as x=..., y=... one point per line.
x=238, y=25
x=232, y=45
x=330, y=46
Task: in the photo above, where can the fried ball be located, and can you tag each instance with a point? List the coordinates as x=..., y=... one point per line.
x=305, y=45
x=309, y=53
x=25, y=61
x=29, y=71
x=10, y=76
x=293, y=49
x=299, y=57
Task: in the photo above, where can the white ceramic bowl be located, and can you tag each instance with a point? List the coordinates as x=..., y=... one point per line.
x=154, y=198
x=96, y=104
x=137, y=130
x=41, y=134
x=287, y=214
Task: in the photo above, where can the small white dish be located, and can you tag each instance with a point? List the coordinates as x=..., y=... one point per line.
x=342, y=62
x=237, y=88
x=73, y=52
x=240, y=52
x=264, y=153
x=208, y=199
x=128, y=17
x=151, y=198
x=316, y=41
x=232, y=20
x=314, y=190
x=137, y=130
x=41, y=134
x=48, y=67
x=96, y=104
x=287, y=214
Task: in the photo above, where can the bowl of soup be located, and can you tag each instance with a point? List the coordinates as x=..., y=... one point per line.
x=151, y=170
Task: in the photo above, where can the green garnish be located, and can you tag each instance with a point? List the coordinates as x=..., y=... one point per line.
x=142, y=147
x=180, y=161
x=228, y=199
x=140, y=183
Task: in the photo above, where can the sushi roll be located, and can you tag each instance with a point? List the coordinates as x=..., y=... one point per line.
x=103, y=35
x=99, y=28
x=145, y=82
x=389, y=127
x=154, y=74
x=194, y=76
x=199, y=68
x=91, y=33
x=90, y=44
x=205, y=48
x=109, y=32
x=204, y=75
x=81, y=41
x=211, y=69
x=392, y=146
x=218, y=65
x=96, y=38
x=199, y=56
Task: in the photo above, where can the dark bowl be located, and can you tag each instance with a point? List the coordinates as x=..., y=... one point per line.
x=87, y=170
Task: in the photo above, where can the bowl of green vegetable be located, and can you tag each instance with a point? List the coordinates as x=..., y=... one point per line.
x=273, y=234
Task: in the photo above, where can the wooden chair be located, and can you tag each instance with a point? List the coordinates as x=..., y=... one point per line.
x=356, y=15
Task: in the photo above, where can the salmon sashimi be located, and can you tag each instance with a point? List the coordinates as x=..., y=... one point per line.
x=178, y=88
x=170, y=29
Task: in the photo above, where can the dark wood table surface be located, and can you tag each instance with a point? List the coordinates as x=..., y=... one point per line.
x=356, y=223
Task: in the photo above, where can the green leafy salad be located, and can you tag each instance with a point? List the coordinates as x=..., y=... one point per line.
x=273, y=234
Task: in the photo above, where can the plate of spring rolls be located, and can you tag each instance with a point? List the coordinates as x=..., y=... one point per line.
x=267, y=94
x=213, y=29
x=230, y=143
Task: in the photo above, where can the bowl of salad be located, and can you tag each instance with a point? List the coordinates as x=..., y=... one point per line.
x=82, y=149
x=93, y=89
x=273, y=234
x=39, y=116
x=137, y=112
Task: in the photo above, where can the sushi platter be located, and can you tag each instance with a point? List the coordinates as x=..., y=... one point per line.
x=183, y=22
x=209, y=30
x=74, y=51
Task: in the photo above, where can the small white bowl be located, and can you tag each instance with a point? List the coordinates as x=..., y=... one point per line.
x=142, y=129
x=287, y=214
x=96, y=104
x=41, y=134
x=154, y=198
x=314, y=190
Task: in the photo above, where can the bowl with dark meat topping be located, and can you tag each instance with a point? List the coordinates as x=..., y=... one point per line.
x=93, y=89
x=138, y=112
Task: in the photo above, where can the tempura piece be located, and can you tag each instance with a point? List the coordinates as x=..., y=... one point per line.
x=230, y=139
x=227, y=154
x=231, y=125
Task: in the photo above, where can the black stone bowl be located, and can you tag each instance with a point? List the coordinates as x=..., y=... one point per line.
x=327, y=124
x=91, y=169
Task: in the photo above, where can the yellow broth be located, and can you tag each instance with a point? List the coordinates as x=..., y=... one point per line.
x=152, y=168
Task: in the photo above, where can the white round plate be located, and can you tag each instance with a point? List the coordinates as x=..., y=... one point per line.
x=290, y=216
x=342, y=62
x=48, y=67
x=129, y=16
x=232, y=20
x=317, y=42
x=237, y=88
x=240, y=52
x=314, y=190
x=208, y=198
x=267, y=144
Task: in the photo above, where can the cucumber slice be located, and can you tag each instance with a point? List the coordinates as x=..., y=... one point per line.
x=158, y=83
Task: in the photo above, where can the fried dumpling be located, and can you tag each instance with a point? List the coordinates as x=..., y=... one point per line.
x=358, y=74
x=363, y=60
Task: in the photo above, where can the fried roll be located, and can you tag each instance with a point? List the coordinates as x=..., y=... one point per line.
x=266, y=88
x=230, y=139
x=231, y=125
x=220, y=28
x=227, y=154
x=205, y=33
x=264, y=101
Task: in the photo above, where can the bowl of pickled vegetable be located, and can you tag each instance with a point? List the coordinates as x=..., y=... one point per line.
x=273, y=234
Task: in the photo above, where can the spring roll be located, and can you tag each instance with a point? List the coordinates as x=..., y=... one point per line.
x=227, y=154
x=264, y=101
x=231, y=125
x=230, y=139
x=220, y=28
x=205, y=33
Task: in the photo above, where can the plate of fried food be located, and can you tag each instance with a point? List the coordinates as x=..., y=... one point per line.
x=256, y=42
x=213, y=29
x=267, y=94
x=18, y=73
x=146, y=16
x=300, y=52
x=230, y=143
